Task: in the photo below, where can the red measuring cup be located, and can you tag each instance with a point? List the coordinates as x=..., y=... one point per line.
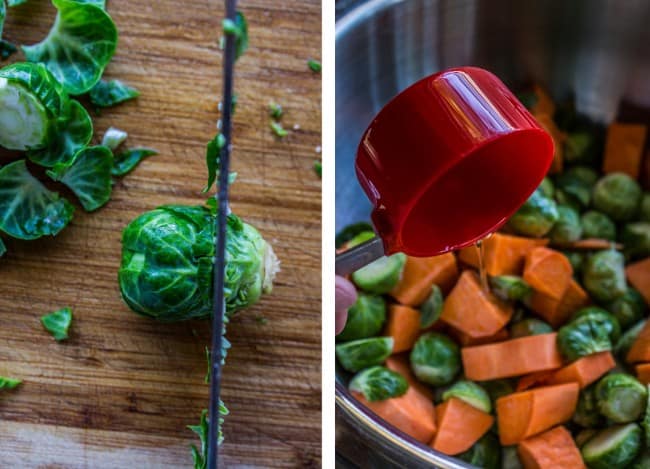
x=445, y=163
x=449, y=160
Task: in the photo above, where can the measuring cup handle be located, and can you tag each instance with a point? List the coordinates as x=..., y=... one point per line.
x=359, y=256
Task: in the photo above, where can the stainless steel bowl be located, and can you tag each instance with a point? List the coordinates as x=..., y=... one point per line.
x=597, y=50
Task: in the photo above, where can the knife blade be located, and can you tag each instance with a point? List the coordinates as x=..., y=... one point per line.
x=220, y=241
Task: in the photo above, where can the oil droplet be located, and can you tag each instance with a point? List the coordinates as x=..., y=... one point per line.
x=480, y=245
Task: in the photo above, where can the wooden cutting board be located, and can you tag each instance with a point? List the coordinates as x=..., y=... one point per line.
x=120, y=392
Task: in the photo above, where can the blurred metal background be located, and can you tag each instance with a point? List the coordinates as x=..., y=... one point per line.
x=596, y=50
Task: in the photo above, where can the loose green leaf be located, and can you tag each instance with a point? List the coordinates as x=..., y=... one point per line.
x=58, y=323
x=113, y=138
x=275, y=110
x=278, y=130
x=314, y=65
x=111, y=93
x=3, y=248
x=88, y=175
x=238, y=28
x=80, y=44
x=71, y=136
x=28, y=210
x=9, y=383
x=318, y=168
x=126, y=161
x=213, y=158
x=201, y=456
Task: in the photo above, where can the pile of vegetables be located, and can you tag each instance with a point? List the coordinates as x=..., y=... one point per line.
x=549, y=367
x=41, y=119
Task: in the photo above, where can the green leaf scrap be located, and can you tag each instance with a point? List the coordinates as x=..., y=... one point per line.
x=201, y=456
x=58, y=323
x=9, y=383
x=28, y=210
x=238, y=28
x=126, y=161
x=314, y=65
x=80, y=44
x=111, y=93
x=278, y=130
x=88, y=175
x=275, y=110
x=318, y=168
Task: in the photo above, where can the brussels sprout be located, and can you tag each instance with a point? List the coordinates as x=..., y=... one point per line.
x=621, y=398
x=29, y=210
x=585, y=174
x=498, y=388
x=435, y=359
x=32, y=106
x=586, y=413
x=510, y=458
x=636, y=239
x=381, y=275
x=601, y=316
x=485, y=453
x=88, y=175
x=573, y=190
x=567, y=228
x=644, y=208
x=584, y=436
x=431, y=309
x=627, y=308
x=627, y=339
x=350, y=231
x=547, y=188
x=378, y=383
x=528, y=327
x=597, y=225
x=603, y=275
x=583, y=337
x=74, y=52
x=577, y=260
x=167, y=263
x=471, y=393
x=363, y=353
x=535, y=217
x=365, y=318
x=510, y=287
x=579, y=147
x=612, y=447
x=618, y=196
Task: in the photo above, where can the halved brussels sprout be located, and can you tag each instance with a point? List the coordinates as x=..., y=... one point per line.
x=378, y=384
x=435, y=359
x=167, y=263
x=584, y=436
x=32, y=106
x=471, y=393
x=618, y=196
x=584, y=336
x=382, y=275
x=567, y=228
x=363, y=353
x=600, y=316
x=621, y=398
x=365, y=318
x=510, y=287
x=535, y=217
x=603, y=275
x=598, y=225
x=531, y=326
x=431, y=309
x=613, y=447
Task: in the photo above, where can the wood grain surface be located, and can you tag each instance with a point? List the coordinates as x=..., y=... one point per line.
x=120, y=392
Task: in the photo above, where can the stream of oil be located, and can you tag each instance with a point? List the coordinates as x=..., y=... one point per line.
x=480, y=246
